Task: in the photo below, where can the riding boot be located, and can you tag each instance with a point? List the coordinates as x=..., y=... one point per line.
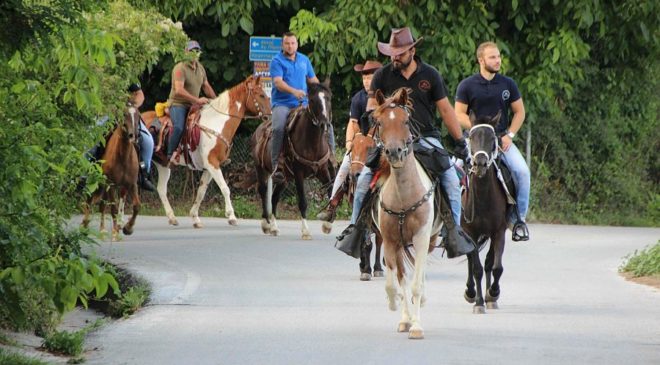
x=351, y=240
x=329, y=214
x=145, y=183
x=456, y=242
x=519, y=231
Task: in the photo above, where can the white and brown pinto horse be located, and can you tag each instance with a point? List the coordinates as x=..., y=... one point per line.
x=218, y=122
x=406, y=216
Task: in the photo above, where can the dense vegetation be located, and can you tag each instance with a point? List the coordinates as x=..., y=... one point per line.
x=588, y=72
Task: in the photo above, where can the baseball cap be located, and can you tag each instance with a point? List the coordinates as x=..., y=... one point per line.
x=192, y=45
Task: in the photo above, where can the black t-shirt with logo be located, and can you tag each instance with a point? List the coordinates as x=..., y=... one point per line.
x=427, y=87
x=487, y=97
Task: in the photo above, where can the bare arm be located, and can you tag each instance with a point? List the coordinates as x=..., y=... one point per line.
x=313, y=80
x=518, y=109
x=208, y=90
x=462, y=115
x=449, y=118
x=352, y=128
x=180, y=91
x=281, y=85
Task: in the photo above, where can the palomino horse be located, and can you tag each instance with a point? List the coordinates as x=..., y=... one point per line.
x=218, y=122
x=359, y=151
x=485, y=213
x=406, y=214
x=120, y=167
x=306, y=153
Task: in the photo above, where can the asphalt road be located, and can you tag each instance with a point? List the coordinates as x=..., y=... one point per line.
x=231, y=295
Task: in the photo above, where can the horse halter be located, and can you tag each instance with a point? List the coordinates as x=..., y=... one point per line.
x=260, y=114
x=132, y=131
x=315, y=120
x=378, y=125
x=492, y=155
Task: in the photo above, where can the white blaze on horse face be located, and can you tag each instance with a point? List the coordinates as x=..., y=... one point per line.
x=325, y=108
x=238, y=105
x=392, y=116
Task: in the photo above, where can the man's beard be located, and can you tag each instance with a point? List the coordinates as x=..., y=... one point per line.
x=289, y=54
x=399, y=65
x=491, y=70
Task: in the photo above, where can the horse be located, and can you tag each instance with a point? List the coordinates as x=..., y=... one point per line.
x=405, y=215
x=360, y=146
x=218, y=122
x=305, y=151
x=485, y=213
x=120, y=167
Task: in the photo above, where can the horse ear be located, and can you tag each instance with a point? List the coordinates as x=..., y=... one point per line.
x=403, y=96
x=326, y=82
x=496, y=120
x=380, y=98
x=257, y=80
x=473, y=118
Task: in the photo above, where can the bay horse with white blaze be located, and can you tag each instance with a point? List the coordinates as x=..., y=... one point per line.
x=406, y=215
x=120, y=167
x=305, y=151
x=218, y=123
x=484, y=213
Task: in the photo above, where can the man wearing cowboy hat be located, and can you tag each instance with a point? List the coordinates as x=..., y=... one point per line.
x=355, y=124
x=428, y=94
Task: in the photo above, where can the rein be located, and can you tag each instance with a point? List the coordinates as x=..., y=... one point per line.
x=260, y=114
x=492, y=156
x=403, y=213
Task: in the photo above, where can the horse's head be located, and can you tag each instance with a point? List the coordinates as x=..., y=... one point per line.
x=392, y=123
x=359, y=151
x=484, y=144
x=257, y=103
x=319, y=97
x=131, y=123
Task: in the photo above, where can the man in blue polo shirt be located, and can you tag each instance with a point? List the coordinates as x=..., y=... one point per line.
x=485, y=94
x=291, y=71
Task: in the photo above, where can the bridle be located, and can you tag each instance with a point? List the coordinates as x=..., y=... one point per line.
x=315, y=120
x=133, y=130
x=406, y=122
x=360, y=163
x=260, y=114
x=492, y=155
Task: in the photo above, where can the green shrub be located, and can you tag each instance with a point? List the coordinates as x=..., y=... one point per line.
x=10, y=358
x=129, y=302
x=643, y=263
x=66, y=343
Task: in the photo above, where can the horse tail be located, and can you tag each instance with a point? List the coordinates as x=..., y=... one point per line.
x=246, y=180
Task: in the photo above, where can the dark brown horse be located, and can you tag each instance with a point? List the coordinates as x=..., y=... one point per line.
x=120, y=166
x=359, y=150
x=306, y=153
x=484, y=213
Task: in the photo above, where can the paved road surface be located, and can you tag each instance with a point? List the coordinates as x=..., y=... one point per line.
x=230, y=295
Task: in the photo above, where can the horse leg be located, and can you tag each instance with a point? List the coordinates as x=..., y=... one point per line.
x=302, y=206
x=135, y=200
x=421, y=244
x=274, y=201
x=470, y=293
x=378, y=269
x=224, y=189
x=392, y=284
x=102, y=200
x=262, y=189
x=476, y=273
x=365, y=261
x=163, y=178
x=201, y=192
x=493, y=291
x=113, y=213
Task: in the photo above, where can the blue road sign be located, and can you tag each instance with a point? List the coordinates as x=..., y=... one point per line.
x=264, y=48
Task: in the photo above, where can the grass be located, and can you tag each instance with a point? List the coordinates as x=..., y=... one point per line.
x=643, y=263
x=12, y=358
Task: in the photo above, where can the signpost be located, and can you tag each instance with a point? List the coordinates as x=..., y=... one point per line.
x=262, y=50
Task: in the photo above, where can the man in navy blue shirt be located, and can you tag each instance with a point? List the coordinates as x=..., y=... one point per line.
x=485, y=94
x=291, y=71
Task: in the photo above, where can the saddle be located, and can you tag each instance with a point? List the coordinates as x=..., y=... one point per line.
x=161, y=129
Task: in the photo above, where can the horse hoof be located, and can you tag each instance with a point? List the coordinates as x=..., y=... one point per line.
x=416, y=334
x=404, y=327
x=198, y=225
x=127, y=231
x=326, y=227
x=173, y=222
x=490, y=298
x=365, y=276
x=232, y=222
x=478, y=309
x=492, y=305
x=379, y=273
x=468, y=298
x=275, y=232
x=306, y=236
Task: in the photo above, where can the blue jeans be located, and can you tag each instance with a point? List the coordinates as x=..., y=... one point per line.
x=280, y=114
x=146, y=146
x=521, y=178
x=178, y=115
x=448, y=180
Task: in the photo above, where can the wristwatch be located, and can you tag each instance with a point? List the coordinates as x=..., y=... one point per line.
x=510, y=134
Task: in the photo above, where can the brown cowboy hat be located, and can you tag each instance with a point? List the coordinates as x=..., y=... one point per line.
x=368, y=67
x=401, y=40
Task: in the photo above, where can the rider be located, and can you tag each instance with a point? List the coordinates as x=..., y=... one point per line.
x=486, y=93
x=358, y=108
x=188, y=79
x=146, y=142
x=428, y=93
x=291, y=71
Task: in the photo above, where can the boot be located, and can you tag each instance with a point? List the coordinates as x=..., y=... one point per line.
x=350, y=240
x=329, y=213
x=519, y=232
x=143, y=179
x=455, y=241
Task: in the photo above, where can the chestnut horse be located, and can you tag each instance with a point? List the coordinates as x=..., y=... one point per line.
x=218, y=122
x=485, y=213
x=359, y=151
x=405, y=215
x=306, y=153
x=120, y=166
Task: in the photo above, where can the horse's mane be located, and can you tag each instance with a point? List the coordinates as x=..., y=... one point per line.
x=221, y=102
x=316, y=88
x=393, y=99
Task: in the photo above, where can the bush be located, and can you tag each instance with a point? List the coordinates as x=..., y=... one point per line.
x=643, y=263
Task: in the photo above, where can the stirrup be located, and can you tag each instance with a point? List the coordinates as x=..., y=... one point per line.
x=519, y=232
x=349, y=241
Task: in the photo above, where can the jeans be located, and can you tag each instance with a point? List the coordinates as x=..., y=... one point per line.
x=146, y=146
x=521, y=178
x=178, y=115
x=342, y=172
x=448, y=180
x=280, y=114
